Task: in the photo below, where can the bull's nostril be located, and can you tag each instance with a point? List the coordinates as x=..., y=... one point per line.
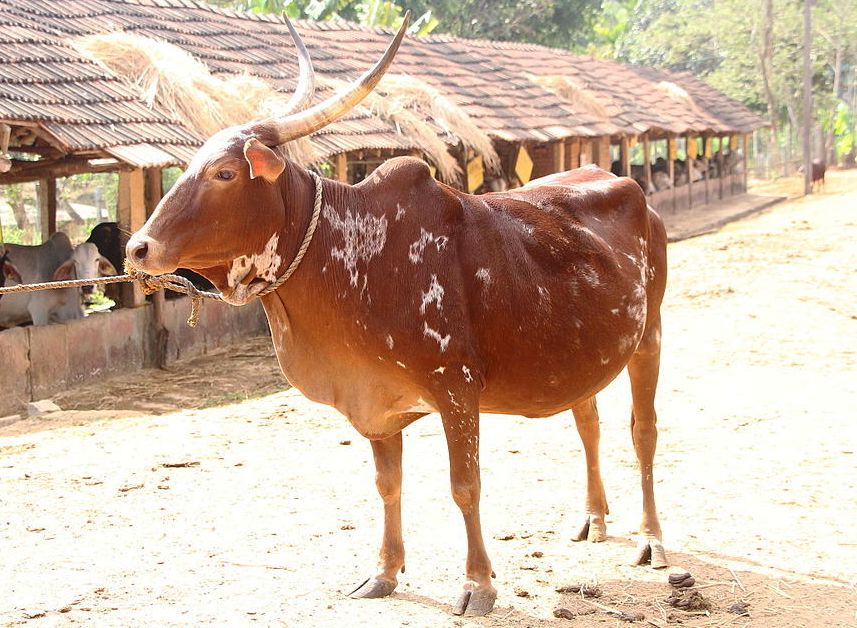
x=140, y=251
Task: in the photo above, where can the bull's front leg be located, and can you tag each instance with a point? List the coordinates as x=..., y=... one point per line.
x=461, y=425
x=388, y=479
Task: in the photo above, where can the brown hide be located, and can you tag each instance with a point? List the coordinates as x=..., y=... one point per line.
x=534, y=298
x=414, y=297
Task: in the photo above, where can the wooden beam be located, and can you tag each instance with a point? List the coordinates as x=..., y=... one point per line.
x=24, y=171
x=131, y=215
x=48, y=207
x=745, y=146
x=342, y=167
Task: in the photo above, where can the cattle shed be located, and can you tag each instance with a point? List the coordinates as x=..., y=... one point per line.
x=485, y=115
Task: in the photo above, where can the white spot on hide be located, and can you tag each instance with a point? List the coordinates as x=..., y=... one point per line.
x=439, y=370
x=590, y=275
x=390, y=342
x=467, y=376
x=484, y=275
x=433, y=295
x=443, y=341
x=363, y=238
x=400, y=211
x=416, y=250
x=266, y=264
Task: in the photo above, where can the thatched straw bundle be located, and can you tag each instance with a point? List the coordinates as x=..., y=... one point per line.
x=412, y=93
x=567, y=88
x=184, y=86
x=411, y=124
x=680, y=95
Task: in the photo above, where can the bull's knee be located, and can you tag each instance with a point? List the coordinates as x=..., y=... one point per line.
x=389, y=487
x=465, y=495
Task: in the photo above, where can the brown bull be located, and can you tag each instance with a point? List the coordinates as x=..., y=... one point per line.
x=415, y=298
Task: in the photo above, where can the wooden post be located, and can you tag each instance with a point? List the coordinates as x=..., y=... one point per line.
x=746, y=146
x=574, y=154
x=157, y=346
x=647, y=163
x=154, y=189
x=720, y=170
x=625, y=156
x=671, y=151
x=342, y=167
x=48, y=207
x=131, y=215
x=706, y=155
x=688, y=165
x=559, y=156
x=603, y=150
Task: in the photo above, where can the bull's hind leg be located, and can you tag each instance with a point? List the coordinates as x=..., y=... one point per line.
x=643, y=371
x=388, y=479
x=586, y=417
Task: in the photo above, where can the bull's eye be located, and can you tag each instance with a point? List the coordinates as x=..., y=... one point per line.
x=225, y=175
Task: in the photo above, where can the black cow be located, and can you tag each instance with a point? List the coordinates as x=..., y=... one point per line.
x=111, y=240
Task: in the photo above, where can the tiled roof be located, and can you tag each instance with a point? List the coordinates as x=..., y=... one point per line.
x=79, y=105
x=636, y=98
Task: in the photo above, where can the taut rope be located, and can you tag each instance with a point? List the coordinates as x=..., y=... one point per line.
x=151, y=283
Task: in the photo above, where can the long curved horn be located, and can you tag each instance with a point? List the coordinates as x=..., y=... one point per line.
x=306, y=78
x=312, y=119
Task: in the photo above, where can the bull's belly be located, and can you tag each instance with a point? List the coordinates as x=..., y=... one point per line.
x=538, y=377
x=534, y=396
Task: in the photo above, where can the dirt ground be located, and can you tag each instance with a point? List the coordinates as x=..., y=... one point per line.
x=210, y=495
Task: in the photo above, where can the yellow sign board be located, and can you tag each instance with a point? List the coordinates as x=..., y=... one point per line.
x=707, y=147
x=523, y=166
x=475, y=174
x=692, y=147
x=672, y=148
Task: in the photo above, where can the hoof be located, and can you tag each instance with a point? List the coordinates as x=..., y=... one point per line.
x=475, y=602
x=593, y=530
x=373, y=588
x=650, y=551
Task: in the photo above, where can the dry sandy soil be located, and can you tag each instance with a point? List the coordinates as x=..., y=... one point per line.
x=210, y=496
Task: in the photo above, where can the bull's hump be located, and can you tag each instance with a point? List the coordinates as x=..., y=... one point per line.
x=400, y=171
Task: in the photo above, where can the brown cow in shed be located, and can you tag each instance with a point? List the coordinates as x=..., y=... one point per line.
x=415, y=298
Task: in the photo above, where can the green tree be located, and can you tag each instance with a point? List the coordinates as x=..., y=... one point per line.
x=560, y=23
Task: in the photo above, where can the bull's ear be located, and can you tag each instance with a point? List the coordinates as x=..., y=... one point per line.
x=105, y=267
x=264, y=162
x=64, y=272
